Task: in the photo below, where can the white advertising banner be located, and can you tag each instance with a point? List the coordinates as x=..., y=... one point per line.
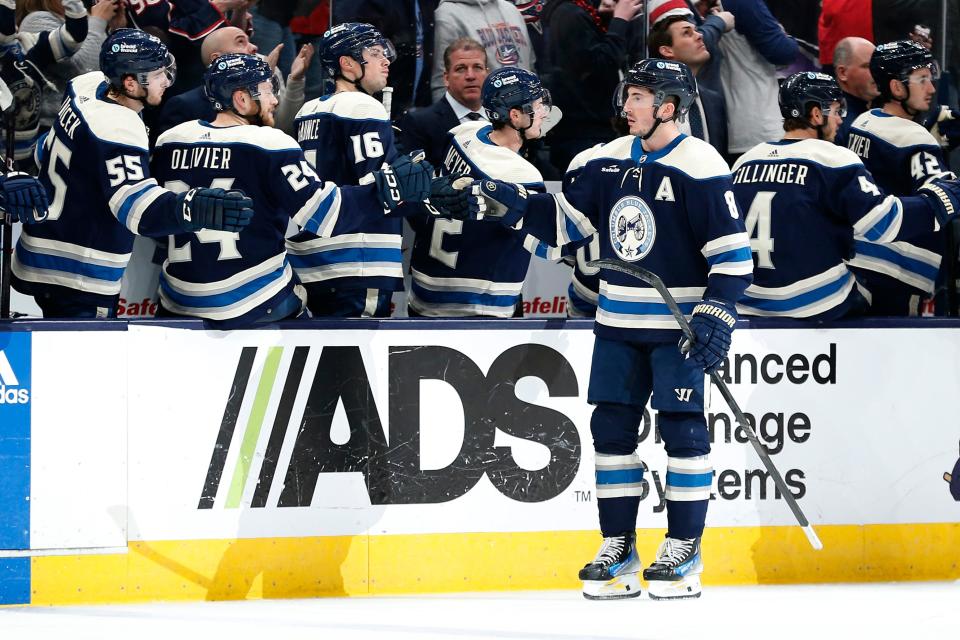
x=78, y=439
x=306, y=433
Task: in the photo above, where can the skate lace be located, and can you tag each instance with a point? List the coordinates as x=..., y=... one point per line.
x=610, y=550
x=674, y=551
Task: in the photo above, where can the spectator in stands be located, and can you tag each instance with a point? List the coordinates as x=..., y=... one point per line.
x=409, y=26
x=676, y=38
x=190, y=22
x=712, y=22
x=752, y=51
x=497, y=24
x=310, y=21
x=271, y=26
x=39, y=16
x=532, y=10
x=586, y=55
x=841, y=19
x=851, y=66
x=465, y=69
x=194, y=105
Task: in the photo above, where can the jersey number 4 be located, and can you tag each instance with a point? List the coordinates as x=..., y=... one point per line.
x=758, y=220
x=226, y=239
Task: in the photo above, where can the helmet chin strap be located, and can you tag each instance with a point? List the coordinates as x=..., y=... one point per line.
x=657, y=121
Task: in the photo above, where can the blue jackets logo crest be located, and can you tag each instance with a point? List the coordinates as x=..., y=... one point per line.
x=632, y=229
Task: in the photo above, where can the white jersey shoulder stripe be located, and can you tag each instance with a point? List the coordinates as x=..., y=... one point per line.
x=352, y=105
x=697, y=159
x=492, y=159
x=899, y=132
x=108, y=121
x=195, y=132
x=810, y=150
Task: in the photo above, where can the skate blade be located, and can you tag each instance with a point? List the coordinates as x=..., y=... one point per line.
x=625, y=586
x=686, y=588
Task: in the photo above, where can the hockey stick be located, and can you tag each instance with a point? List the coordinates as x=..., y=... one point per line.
x=6, y=243
x=654, y=281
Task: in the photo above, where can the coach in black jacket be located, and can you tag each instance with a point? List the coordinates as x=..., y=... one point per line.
x=465, y=69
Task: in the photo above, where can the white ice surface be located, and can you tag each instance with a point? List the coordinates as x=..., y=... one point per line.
x=905, y=611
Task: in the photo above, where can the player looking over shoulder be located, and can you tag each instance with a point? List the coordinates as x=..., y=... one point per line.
x=94, y=168
x=239, y=279
x=807, y=199
x=664, y=200
x=473, y=268
x=903, y=157
x=346, y=135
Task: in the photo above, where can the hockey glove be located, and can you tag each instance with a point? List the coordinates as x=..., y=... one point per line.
x=214, y=209
x=943, y=196
x=406, y=180
x=712, y=324
x=945, y=127
x=506, y=202
x=452, y=197
x=23, y=197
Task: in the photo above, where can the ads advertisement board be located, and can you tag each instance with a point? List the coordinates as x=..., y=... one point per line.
x=293, y=433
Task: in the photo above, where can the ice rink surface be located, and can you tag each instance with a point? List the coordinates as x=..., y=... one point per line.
x=815, y=612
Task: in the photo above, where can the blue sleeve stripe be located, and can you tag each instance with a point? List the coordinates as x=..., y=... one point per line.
x=642, y=308
x=339, y=256
x=740, y=254
x=463, y=297
x=316, y=220
x=620, y=476
x=883, y=224
x=222, y=299
x=689, y=479
x=68, y=265
x=801, y=300
x=881, y=252
x=128, y=203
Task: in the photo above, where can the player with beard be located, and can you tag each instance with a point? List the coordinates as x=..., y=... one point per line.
x=242, y=279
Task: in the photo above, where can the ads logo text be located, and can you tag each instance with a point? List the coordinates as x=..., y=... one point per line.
x=388, y=452
x=10, y=390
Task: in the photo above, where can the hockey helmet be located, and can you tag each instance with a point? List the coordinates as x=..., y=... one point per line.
x=137, y=53
x=233, y=71
x=665, y=78
x=512, y=88
x=896, y=61
x=803, y=90
x=351, y=39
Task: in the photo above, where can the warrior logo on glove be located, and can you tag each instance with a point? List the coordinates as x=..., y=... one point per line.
x=632, y=229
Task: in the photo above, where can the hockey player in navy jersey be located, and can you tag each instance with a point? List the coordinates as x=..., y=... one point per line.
x=664, y=200
x=808, y=199
x=583, y=292
x=345, y=135
x=902, y=156
x=470, y=268
x=240, y=279
x=94, y=168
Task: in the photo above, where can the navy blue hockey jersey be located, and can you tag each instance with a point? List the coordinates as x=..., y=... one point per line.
x=474, y=267
x=583, y=293
x=231, y=278
x=902, y=156
x=672, y=211
x=94, y=166
x=806, y=202
x=345, y=136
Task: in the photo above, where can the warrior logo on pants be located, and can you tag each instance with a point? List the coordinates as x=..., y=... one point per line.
x=632, y=229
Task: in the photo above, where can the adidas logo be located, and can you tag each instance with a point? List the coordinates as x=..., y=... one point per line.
x=205, y=136
x=8, y=381
x=774, y=154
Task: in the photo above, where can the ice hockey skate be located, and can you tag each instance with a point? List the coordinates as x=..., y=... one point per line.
x=614, y=573
x=676, y=572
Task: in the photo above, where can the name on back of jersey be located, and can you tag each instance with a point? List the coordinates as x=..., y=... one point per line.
x=455, y=163
x=68, y=119
x=785, y=173
x=860, y=145
x=200, y=158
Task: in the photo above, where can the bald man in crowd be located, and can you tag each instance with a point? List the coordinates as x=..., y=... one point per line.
x=851, y=66
x=193, y=104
